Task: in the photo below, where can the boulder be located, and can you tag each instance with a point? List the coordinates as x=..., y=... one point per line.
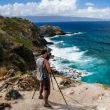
x=66, y=82
x=18, y=62
x=12, y=95
x=4, y=105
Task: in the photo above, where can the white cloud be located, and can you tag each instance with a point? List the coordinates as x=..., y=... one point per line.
x=45, y=7
x=54, y=7
x=94, y=12
x=89, y=4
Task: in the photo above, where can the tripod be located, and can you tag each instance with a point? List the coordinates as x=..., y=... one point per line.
x=53, y=89
x=59, y=89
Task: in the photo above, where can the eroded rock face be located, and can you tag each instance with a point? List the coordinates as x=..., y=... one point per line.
x=49, y=31
x=39, y=43
x=26, y=55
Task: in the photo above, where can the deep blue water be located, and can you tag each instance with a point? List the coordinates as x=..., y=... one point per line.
x=88, y=49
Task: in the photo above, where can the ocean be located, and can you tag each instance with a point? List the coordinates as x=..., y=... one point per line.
x=86, y=49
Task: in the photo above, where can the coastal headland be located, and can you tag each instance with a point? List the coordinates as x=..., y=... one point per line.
x=20, y=41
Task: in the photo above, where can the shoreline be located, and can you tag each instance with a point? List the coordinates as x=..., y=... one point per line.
x=74, y=73
x=81, y=73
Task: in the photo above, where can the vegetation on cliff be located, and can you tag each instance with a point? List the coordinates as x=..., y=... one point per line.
x=17, y=39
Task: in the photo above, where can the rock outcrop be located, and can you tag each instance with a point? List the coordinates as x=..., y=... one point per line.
x=12, y=95
x=4, y=105
x=49, y=31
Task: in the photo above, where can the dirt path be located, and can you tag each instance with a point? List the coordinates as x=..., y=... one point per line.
x=55, y=99
x=81, y=96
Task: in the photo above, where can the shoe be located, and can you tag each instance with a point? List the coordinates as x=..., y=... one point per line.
x=40, y=97
x=47, y=105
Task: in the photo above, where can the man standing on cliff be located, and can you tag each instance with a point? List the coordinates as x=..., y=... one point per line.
x=43, y=75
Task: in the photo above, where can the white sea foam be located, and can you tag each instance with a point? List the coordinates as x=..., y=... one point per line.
x=59, y=42
x=66, y=70
x=55, y=36
x=57, y=64
x=76, y=33
x=48, y=39
x=70, y=53
x=68, y=34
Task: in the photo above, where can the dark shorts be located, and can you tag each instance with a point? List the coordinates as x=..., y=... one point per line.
x=45, y=83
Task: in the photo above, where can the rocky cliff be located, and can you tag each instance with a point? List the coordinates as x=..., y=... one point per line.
x=17, y=38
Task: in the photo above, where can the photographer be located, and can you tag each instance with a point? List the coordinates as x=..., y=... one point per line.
x=43, y=72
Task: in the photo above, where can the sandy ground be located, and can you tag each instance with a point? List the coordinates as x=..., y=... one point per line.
x=81, y=97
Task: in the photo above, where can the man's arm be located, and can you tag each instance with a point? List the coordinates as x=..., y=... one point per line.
x=47, y=65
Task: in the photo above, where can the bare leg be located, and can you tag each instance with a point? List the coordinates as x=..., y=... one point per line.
x=46, y=95
x=41, y=90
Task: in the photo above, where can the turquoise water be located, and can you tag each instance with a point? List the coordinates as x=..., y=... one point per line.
x=88, y=49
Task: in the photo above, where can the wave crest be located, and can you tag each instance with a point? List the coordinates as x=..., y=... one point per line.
x=69, y=53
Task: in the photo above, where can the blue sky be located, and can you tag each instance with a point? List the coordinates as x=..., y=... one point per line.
x=98, y=3
x=75, y=8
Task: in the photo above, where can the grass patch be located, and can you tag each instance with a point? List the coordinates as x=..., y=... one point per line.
x=3, y=71
x=24, y=41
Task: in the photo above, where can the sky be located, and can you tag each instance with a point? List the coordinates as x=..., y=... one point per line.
x=73, y=8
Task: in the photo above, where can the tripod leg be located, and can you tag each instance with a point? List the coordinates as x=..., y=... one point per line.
x=52, y=82
x=60, y=90
x=34, y=94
